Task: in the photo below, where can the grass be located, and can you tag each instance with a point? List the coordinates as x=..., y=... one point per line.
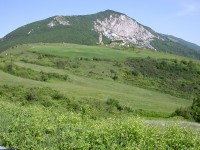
x=97, y=85
x=78, y=51
x=89, y=110
x=81, y=87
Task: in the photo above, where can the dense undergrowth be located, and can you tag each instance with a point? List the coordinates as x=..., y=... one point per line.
x=31, y=74
x=48, y=98
x=180, y=78
x=41, y=118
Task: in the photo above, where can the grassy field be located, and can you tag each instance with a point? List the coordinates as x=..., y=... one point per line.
x=83, y=83
x=81, y=87
x=78, y=51
x=96, y=105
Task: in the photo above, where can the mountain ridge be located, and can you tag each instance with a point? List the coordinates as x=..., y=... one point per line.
x=86, y=29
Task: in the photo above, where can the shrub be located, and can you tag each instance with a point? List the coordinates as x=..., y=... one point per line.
x=75, y=66
x=112, y=102
x=31, y=95
x=112, y=71
x=58, y=96
x=115, y=77
x=135, y=73
x=61, y=64
x=196, y=109
x=44, y=77
x=65, y=77
x=36, y=128
x=9, y=67
x=96, y=59
x=192, y=112
x=40, y=56
x=184, y=112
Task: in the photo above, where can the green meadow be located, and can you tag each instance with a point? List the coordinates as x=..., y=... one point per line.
x=77, y=51
x=68, y=96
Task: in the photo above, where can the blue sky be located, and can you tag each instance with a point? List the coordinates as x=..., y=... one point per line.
x=180, y=18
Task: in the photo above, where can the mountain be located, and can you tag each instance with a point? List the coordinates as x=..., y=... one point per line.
x=183, y=42
x=106, y=26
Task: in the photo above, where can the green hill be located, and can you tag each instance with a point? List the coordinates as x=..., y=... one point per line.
x=81, y=30
x=70, y=96
x=97, y=70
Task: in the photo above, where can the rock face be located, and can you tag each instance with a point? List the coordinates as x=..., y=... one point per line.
x=121, y=27
x=58, y=20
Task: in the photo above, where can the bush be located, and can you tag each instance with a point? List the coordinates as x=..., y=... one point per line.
x=192, y=112
x=34, y=127
x=44, y=77
x=135, y=73
x=58, y=96
x=31, y=95
x=66, y=77
x=115, y=77
x=112, y=102
x=196, y=109
x=9, y=67
x=169, y=76
x=184, y=112
x=112, y=71
x=96, y=59
x=61, y=64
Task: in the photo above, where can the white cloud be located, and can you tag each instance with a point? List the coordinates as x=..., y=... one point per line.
x=191, y=8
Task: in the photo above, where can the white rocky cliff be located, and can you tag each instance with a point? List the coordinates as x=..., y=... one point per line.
x=58, y=20
x=121, y=27
x=116, y=27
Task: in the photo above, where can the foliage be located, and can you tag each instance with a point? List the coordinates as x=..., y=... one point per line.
x=192, y=112
x=175, y=77
x=196, y=109
x=175, y=48
x=31, y=74
x=35, y=127
x=31, y=95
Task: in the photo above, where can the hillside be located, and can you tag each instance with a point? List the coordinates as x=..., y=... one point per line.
x=99, y=70
x=183, y=42
x=86, y=29
x=70, y=96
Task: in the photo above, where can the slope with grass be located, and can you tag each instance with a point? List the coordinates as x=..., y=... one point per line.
x=91, y=70
x=90, y=97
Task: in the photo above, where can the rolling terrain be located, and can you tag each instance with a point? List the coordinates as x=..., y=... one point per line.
x=70, y=96
x=87, y=29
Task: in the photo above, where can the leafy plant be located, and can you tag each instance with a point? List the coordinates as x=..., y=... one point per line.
x=192, y=112
x=31, y=95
